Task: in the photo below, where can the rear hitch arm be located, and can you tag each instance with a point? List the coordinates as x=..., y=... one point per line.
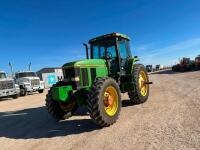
x=148, y=82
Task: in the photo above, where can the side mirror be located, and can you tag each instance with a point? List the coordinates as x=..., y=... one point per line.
x=136, y=58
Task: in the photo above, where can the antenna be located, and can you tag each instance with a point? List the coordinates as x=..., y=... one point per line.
x=87, y=50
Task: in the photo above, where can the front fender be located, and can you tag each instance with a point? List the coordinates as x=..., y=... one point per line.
x=62, y=93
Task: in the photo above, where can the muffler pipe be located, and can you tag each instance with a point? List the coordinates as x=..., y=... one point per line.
x=87, y=50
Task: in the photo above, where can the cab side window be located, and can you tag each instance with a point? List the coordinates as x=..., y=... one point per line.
x=95, y=52
x=111, y=50
x=123, y=49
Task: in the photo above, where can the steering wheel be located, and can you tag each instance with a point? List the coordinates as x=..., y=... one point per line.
x=108, y=55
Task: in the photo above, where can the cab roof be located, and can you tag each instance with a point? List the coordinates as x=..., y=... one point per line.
x=114, y=34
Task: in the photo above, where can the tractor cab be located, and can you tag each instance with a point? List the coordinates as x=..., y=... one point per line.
x=114, y=48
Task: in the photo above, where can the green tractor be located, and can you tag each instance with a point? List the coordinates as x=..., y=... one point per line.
x=98, y=81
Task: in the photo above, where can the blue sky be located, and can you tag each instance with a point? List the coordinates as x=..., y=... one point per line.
x=49, y=33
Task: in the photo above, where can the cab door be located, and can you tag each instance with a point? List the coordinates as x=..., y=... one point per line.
x=111, y=52
x=124, y=54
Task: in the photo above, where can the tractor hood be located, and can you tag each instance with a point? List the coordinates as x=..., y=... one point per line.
x=91, y=63
x=81, y=74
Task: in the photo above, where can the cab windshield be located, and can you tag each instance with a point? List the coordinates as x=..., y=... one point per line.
x=2, y=75
x=102, y=48
x=25, y=74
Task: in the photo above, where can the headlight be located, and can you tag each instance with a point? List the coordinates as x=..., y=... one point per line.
x=16, y=86
x=42, y=82
x=27, y=84
x=77, y=79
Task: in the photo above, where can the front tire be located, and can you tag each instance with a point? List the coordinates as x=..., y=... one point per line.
x=15, y=96
x=139, y=93
x=23, y=92
x=104, y=101
x=59, y=110
x=41, y=91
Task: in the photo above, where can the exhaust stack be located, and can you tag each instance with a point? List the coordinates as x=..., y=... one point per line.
x=87, y=50
x=11, y=69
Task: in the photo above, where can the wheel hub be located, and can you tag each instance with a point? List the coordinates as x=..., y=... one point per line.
x=68, y=106
x=110, y=101
x=142, y=80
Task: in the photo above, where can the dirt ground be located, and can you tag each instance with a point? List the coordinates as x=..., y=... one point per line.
x=170, y=119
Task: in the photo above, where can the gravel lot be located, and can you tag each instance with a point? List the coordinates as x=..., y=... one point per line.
x=170, y=119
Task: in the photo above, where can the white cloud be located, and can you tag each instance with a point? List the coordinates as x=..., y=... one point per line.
x=170, y=54
x=144, y=47
x=185, y=45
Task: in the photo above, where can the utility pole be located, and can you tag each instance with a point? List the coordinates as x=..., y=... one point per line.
x=29, y=66
x=11, y=69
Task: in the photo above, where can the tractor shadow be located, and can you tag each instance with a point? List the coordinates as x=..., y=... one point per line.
x=127, y=103
x=35, y=123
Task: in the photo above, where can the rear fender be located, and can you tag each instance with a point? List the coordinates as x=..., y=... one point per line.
x=130, y=65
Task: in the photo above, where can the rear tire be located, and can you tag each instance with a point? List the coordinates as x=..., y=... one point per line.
x=135, y=94
x=96, y=102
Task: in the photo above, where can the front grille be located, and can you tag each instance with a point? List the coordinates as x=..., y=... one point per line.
x=84, y=75
x=6, y=85
x=93, y=74
x=69, y=77
x=35, y=82
x=69, y=73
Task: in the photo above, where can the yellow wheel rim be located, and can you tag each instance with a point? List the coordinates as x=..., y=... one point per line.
x=110, y=101
x=67, y=107
x=142, y=86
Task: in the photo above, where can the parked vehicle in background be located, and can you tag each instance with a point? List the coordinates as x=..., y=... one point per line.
x=157, y=68
x=149, y=68
x=8, y=88
x=197, y=62
x=29, y=82
x=185, y=64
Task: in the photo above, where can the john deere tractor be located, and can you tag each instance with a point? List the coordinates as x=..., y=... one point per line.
x=98, y=81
